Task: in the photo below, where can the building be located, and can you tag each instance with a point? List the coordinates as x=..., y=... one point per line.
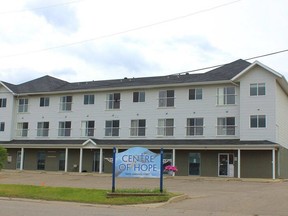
x=228, y=122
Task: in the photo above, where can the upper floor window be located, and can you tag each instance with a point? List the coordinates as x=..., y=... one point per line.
x=139, y=96
x=88, y=99
x=195, y=94
x=138, y=127
x=2, y=126
x=23, y=105
x=112, y=128
x=113, y=101
x=43, y=129
x=258, y=121
x=166, y=98
x=22, y=129
x=3, y=102
x=44, y=101
x=165, y=127
x=257, y=89
x=66, y=103
x=195, y=126
x=226, y=95
x=87, y=128
x=64, y=128
x=226, y=126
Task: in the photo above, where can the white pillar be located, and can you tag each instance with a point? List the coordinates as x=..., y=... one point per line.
x=22, y=159
x=101, y=161
x=173, y=159
x=80, y=160
x=239, y=163
x=66, y=160
x=273, y=163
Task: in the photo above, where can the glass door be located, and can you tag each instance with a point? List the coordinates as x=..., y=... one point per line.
x=96, y=161
x=226, y=165
x=18, y=160
x=194, y=163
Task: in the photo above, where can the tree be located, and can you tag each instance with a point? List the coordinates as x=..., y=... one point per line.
x=3, y=157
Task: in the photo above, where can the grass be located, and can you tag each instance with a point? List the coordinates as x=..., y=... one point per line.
x=93, y=196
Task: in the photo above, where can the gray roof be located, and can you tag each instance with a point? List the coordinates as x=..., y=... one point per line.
x=51, y=84
x=143, y=142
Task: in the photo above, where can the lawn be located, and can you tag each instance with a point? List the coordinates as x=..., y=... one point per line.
x=94, y=196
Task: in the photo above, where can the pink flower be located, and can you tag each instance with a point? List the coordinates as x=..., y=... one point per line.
x=171, y=168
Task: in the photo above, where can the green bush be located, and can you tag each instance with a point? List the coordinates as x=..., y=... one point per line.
x=3, y=156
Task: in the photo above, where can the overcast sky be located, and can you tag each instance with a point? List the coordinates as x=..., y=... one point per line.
x=83, y=40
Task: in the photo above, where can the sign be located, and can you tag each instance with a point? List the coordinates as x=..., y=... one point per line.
x=137, y=162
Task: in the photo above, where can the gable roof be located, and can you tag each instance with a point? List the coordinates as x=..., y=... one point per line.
x=51, y=84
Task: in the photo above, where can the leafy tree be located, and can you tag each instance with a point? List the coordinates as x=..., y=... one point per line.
x=3, y=156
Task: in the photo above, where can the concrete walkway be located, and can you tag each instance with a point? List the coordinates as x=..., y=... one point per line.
x=207, y=196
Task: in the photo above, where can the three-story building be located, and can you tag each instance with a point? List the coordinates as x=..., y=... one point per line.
x=230, y=122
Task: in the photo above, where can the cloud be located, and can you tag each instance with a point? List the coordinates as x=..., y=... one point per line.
x=62, y=17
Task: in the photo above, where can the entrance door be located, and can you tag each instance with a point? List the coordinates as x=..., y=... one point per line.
x=226, y=165
x=18, y=160
x=96, y=161
x=194, y=163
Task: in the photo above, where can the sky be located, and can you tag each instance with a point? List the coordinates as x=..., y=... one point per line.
x=85, y=40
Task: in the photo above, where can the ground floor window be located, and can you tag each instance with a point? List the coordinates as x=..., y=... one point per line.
x=62, y=160
x=194, y=163
x=41, y=158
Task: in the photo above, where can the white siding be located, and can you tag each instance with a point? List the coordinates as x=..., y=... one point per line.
x=257, y=105
x=281, y=116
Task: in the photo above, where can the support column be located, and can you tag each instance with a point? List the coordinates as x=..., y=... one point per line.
x=101, y=161
x=22, y=159
x=273, y=164
x=80, y=160
x=239, y=163
x=66, y=160
x=173, y=159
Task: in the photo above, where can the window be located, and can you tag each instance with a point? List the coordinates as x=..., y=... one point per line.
x=42, y=129
x=41, y=156
x=257, y=89
x=3, y=102
x=226, y=95
x=66, y=103
x=166, y=98
x=138, y=97
x=195, y=94
x=226, y=126
x=257, y=121
x=87, y=128
x=2, y=126
x=112, y=128
x=22, y=129
x=88, y=99
x=165, y=127
x=113, y=101
x=138, y=127
x=64, y=128
x=23, y=105
x=194, y=126
x=44, y=101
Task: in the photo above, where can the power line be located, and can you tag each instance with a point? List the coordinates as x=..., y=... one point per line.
x=121, y=32
x=247, y=59
x=40, y=8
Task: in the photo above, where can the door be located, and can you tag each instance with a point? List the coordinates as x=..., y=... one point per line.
x=226, y=165
x=96, y=161
x=194, y=163
x=18, y=160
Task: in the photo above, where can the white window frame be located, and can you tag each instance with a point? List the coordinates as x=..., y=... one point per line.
x=139, y=97
x=164, y=127
x=2, y=126
x=224, y=96
x=23, y=105
x=113, y=101
x=63, y=129
x=225, y=129
x=22, y=131
x=3, y=102
x=195, y=94
x=44, y=101
x=42, y=129
x=195, y=127
x=257, y=89
x=259, y=119
x=65, y=103
x=137, y=129
x=113, y=130
x=86, y=129
x=89, y=99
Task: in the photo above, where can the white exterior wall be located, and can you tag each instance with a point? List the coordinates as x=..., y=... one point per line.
x=281, y=116
x=257, y=105
x=184, y=108
x=6, y=114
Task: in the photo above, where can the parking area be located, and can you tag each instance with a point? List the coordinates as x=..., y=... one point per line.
x=207, y=196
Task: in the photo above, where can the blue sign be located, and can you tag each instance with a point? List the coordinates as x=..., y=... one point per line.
x=137, y=162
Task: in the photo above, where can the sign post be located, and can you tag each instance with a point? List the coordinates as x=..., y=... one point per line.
x=137, y=162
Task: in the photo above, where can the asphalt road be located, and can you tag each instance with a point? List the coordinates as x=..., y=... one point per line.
x=207, y=196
